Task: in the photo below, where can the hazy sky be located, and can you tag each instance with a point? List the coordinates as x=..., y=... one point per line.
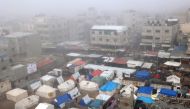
x=65, y=7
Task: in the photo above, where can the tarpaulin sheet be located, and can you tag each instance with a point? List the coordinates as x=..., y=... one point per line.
x=168, y=92
x=143, y=74
x=146, y=99
x=109, y=86
x=96, y=73
x=145, y=90
x=96, y=104
x=60, y=100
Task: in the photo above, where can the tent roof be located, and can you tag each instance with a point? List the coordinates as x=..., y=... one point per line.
x=109, y=86
x=144, y=89
x=171, y=63
x=143, y=74
x=146, y=99
x=168, y=92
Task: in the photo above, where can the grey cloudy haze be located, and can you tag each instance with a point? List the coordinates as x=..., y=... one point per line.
x=67, y=7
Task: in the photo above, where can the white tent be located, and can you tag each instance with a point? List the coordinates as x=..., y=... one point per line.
x=107, y=74
x=147, y=65
x=119, y=71
x=173, y=79
x=28, y=102
x=66, y=86
x=126, y=90
x=46, y=92
x=103, y=97
x=162, y=54
x=133, y=63
x=74, y=93
x=88, y=85
x=171, y=63
x=16, y=94
x=45, y=106
x=48, y=80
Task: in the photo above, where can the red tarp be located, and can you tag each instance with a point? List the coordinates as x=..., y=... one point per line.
x=157, y=76
x=119, y=61
x=96, y=73
x=44, y=61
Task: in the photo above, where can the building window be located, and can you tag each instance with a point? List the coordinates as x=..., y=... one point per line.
x=107, y=40
x=148, y=31
x=115, y=33
x=157, y=38
x=166, y=31
x=93, y=32
x=107, y=32
x=115, y=40
x=157, y=31
x=93, y=39
x=148, y=37
x=100, y=39
x=100, y=32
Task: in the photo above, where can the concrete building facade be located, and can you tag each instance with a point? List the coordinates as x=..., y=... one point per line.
x=159, y=33
x=109, y=35
x=21, y=44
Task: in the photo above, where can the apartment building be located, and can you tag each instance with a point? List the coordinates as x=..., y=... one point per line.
x=109, y=36
x=158, y=33
x=22, y=44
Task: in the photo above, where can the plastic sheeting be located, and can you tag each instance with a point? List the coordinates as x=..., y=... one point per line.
x=107, y=74
x=96, y=73
x=88, y=85
x=96, y=104
x=109, y=86
x=99, y=80
x=61, y=100
x=143, y=74
x=147, y=100
x=145, y=90
x=66, y=86
x=168, y=92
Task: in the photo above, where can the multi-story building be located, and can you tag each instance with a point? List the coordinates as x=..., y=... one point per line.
x=188, y=16
x=185, y=29
x=110, y=36
x=50, y=29
x=22, y=44
x=159, y=33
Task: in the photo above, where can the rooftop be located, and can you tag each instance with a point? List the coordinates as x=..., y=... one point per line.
x=109, y=27
x=18, y=35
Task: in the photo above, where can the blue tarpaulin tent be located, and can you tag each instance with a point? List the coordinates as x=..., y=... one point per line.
x=109, y=86
x=144, y=89
x=96, y=104
x=60, y=100
x=143, y=74
x=146, y=99
x=168, y=92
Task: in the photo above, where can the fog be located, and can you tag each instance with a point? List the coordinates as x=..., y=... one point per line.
x=18, y=8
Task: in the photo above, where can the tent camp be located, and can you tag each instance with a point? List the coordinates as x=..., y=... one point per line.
x=16, y=94
x=99, y=80
x=61, y=101
x=96, y=73
x=109, y=88
x=107, y=74
x=143, y=74
x=147, y=65
x=28, y=102
x=66, y=86
x=127, y=90
x=45, y=106
x=103, y=97
x=144, y=91
x=162, y=54
x=85, y=101
x=147, y=100
x=133, y=63
x=119, y=71
x=48, y=80
x=173, y=64
x=173, y=78
x=88, y=85
x=168, y=92
x=96, y=104
x=74, y=93
x=46, y=92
